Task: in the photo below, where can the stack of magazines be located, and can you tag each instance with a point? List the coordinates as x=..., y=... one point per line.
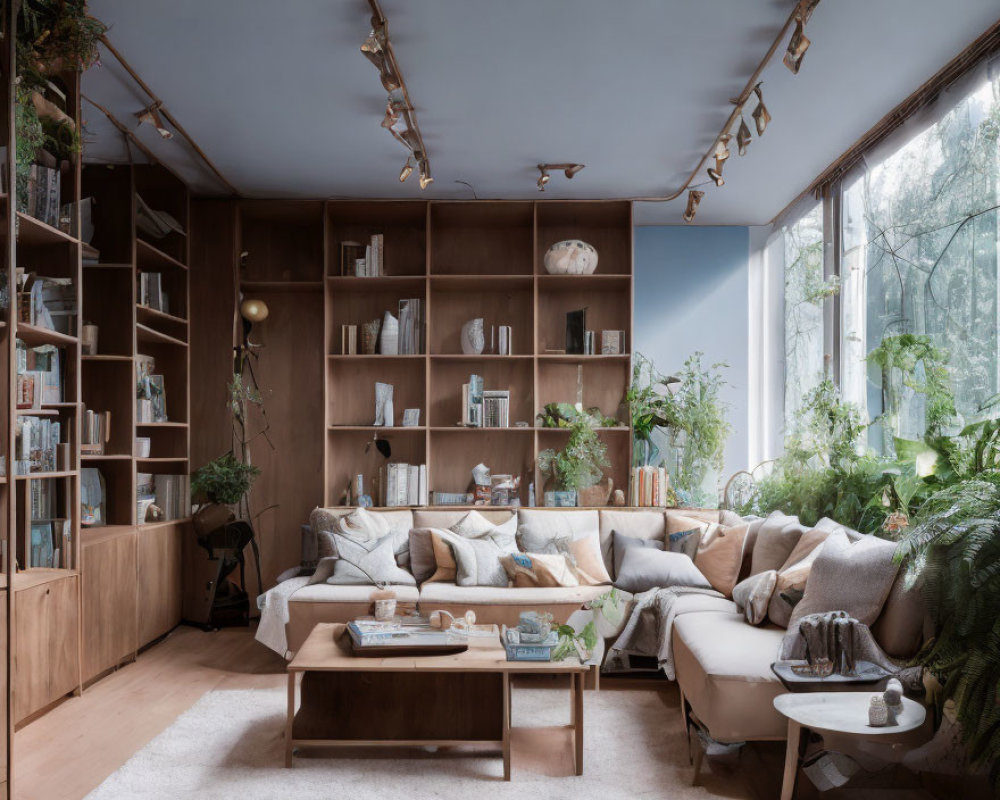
x=399, y=633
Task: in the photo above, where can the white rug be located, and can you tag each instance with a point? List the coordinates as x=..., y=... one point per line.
x=230, y=744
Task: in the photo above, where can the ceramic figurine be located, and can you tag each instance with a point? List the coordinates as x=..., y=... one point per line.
x=571, y=257
x=879, y=714
x=383, y=405
x=534, y=627
x=473, y=337
x=893, y=695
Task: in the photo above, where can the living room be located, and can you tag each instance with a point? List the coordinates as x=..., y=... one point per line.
x=578, y=399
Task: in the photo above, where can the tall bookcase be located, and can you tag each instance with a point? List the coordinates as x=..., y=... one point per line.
x=467, y=260
x=131, y=569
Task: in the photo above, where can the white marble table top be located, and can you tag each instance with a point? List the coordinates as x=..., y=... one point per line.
x=845, y=712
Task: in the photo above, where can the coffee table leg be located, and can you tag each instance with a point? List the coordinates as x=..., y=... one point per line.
x=578, y=679
x=506, y=726
x=792, y=749
x=291, y=717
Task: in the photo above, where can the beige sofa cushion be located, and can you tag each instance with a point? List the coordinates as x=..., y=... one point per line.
x=723, y=668
x=855, y=577
x=695, y=603
x=776, y=537
x=720, y=556
x=450, y=593
x=900, y=628
x=348, y=593
x=639, y=524
x=445, y=518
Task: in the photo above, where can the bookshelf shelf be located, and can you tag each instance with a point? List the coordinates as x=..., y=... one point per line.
x=33, y=336
x=107, y=358
x=281, y=286
x=161, y=424
x=160, y=460
x=33, y=231
x=150, y=257
x=105, y=457
x=469, y=260
x=146, y=313
x=378, y=428
x=35, y=476
x=146, y=335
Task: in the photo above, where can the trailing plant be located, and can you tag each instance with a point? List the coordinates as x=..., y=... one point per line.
x=561, y=415
x=224, y=480
x=568, y=637
x=955, y=551
x=647, y=399
x=582, y=462
x=904, y=352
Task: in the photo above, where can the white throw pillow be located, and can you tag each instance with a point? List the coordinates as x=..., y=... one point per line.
x=367, y=563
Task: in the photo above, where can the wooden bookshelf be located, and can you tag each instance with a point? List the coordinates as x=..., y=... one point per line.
x=119, y=573
x=466, y=260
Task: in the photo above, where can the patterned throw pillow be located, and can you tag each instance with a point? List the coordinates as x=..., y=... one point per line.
x=539, y=569
x=478, y=560
x=367, y=563
x=685, y=542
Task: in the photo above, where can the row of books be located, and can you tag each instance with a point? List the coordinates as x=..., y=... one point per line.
x=484, y=408
x=650, y=487
x=43, y=193
x=452, y=498
x=372, y=264
x=151, y=292
x=95, y=431
x=48, y=303
x=36, y=444
x=403, y=485
x=51, y=544
x=39, y=375
x=43, y=499
x=170, y=493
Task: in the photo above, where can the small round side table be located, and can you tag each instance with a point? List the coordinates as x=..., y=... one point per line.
x=843, y=713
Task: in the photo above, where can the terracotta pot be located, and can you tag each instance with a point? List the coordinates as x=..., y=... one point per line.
x=596, y=495
x=210, y=517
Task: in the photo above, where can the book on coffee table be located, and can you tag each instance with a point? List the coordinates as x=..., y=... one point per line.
x=371, y=638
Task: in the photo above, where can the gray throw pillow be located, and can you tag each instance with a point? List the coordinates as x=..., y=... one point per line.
x=753, y=595
x=620, y=543
x=477, y=560
x=685, y=542
x=644, y=568
x=367, y=563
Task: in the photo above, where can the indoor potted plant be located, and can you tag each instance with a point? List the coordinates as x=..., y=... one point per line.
x=221, y=483
x=580, y=466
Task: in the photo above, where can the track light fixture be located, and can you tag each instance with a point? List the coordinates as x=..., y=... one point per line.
x=399, y=118
x=568, y=169
x=694, y=198
x=151, y=115
x=760, y=114
x=407, y=169
x=799, y=42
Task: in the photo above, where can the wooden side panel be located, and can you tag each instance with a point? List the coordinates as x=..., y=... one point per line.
x=159, y=564
x=46, y=636
x=213, y=294
x=110, y=633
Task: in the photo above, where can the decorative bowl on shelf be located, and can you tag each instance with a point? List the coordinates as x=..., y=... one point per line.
x=571, y=257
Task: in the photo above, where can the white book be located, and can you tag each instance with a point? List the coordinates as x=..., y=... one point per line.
x=422, y=484
x=413, y=486
x=402, y=479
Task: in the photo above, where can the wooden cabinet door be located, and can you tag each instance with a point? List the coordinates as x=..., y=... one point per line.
x=159, y=570
x=46, y=644
x=110, y=623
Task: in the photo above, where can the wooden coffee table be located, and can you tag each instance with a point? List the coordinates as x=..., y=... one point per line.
x=403, y=701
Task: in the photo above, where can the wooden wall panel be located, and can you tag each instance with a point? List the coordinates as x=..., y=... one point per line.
x=290, y=373
x=213, y=256
x=159, y=565
x=109, y=600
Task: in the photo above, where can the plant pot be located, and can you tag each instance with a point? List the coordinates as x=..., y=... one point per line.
x=211, y=517
x=385, y=604
x=598, y=495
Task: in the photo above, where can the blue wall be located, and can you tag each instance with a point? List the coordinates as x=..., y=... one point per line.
x=691, y=293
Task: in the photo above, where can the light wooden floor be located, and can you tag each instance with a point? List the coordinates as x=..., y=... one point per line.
x=72, y=749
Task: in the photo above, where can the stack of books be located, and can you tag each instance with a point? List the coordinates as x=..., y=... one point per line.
x=401, y=633
x=650, y=487
x=151, y=294
x=35, y=445
x=173, y=495
x=496, y=408
x=453, y=498
x=403, y=485
x=95, y=431
x=411, y=327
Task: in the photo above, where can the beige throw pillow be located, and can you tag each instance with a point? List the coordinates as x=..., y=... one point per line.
x=855, y=577
x=753, y=595
x=539, y=569
x=776, y=538
x=792, y=578
x=444, y=558
x=720, y=555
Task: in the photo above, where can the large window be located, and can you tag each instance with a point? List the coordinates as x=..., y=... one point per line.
x=918, y=262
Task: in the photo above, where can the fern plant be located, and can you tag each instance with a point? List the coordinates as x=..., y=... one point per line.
x=955, y=549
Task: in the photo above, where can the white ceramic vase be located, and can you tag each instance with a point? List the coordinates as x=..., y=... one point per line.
x=473, y=337
x=571, y=257
x=383, y=404
x=389, y=337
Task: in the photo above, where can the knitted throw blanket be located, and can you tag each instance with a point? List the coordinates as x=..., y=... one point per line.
x=649, y=629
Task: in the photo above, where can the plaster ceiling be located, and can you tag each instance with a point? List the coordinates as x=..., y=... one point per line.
x=280, y=98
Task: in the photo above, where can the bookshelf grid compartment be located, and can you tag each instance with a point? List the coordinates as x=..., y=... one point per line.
x=466, y=260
